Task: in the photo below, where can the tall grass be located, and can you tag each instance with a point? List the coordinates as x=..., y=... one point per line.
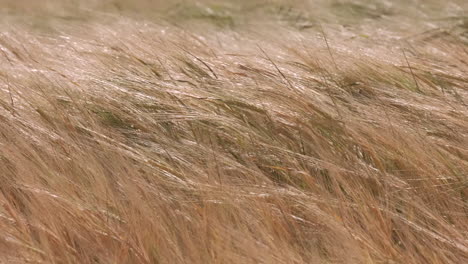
x=233, y=132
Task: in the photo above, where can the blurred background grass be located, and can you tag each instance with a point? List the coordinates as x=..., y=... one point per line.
x=299, y=14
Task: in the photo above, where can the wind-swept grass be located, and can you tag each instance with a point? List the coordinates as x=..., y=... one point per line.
x=222, y=132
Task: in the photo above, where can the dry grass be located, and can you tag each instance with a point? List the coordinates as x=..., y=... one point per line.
x=233, y=132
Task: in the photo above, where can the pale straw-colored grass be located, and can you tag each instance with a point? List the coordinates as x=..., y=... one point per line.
x=233, y=132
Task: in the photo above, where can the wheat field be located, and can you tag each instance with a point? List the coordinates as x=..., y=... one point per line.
x=261, y=131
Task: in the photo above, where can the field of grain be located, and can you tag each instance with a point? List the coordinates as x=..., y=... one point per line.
x=261, y=131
